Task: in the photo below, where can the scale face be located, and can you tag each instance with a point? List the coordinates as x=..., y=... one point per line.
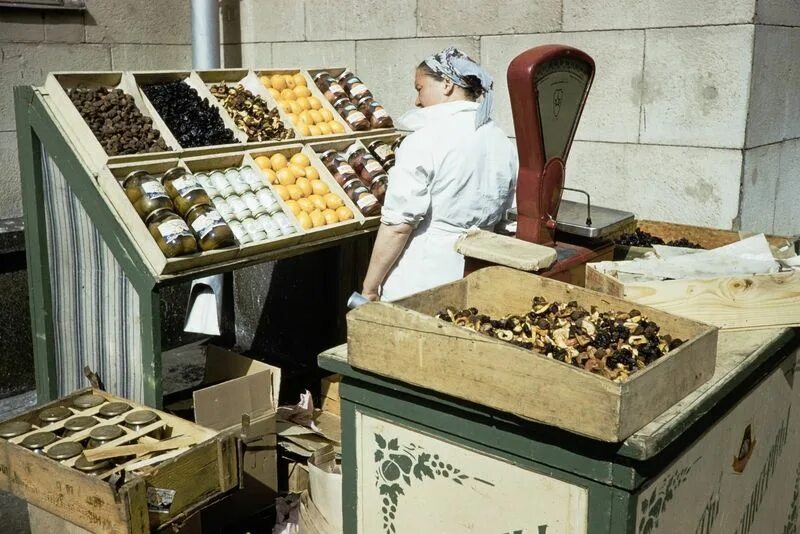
x=561, y=86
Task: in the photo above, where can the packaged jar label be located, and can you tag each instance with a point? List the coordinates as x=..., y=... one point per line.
x=207, y=222
x=249, y=176
x=383, y=151
x=358, y=89
x=153, y=190
x=373, y=166
x=355, y=117
x=267, y=223
x=238, y=232
x=253, y=204
x=366, y=200
x=265, y=197
x=185, y=185
x=335, y=88
x=223, y=207
x=239, y=207
x=173, y=229
x=344, y=169
x=379, y=113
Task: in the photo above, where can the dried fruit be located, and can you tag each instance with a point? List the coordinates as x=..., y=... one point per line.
x=251, y=113
x=640, y=238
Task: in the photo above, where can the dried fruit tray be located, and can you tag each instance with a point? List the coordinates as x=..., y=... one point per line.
x=434, y=354
x=185, y=477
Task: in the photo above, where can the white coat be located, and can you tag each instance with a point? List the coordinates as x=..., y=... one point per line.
x=447, y=178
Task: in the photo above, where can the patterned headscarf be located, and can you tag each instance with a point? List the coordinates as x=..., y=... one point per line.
x=458, y=67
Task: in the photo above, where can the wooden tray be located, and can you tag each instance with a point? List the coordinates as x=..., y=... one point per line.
x=404, y=341
x=195, y=474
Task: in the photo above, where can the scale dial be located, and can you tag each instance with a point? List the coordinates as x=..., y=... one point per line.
x=561, y=85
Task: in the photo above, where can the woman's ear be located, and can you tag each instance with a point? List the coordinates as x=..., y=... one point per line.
x=448, y=87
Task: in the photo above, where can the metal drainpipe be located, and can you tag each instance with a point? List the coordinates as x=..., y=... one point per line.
x=205, y=34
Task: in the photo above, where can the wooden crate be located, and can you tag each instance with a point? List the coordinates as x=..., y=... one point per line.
x=197, y=474
x=731, y=302
x=404, y=341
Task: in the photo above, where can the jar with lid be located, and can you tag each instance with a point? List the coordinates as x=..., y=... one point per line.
x=286, y=226
x=397, y=142
x=184, y=190
x=171, y=233
x=383, y=153
x=253, y=204
x=353, y=85
x=341, y=170
x=145, y=193
x=142, y=418
x=364, y=163
x=38, y=441
x=221, y=184
x=329, y=86
x=114, y=409
x=64, y=451
x=239, y=208
x=91, y=468
x=356, y=119
x=84, y=402
x=251, y=178
x=79, y=424
x=211, y=229
x=240, y=187
x=377, y=115
x=268, y=200
x=205, y=182
x=52, y=415
x=269, y=226
x=100, y=435
x=378, y=187
x=239, y=232
x=360, y=195
x=254, y=230
x=12, y=429
x=224, y=208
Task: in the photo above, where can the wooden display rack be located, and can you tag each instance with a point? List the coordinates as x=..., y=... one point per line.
x=194, y=474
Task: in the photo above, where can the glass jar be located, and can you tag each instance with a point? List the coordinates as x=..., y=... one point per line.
x=171, y=233
x=52, y=415
x=224, y=208
x=221, y=184
x=356, y=119
x=12, y=429
x=353, y=85
x=91, y=468
x=286, y=226
x=101, y=435
x=205, y=182
x=85, y=402
x=211, y=229
x=79, y=424
x=114, y=409
x=269, y=226
x=254, y=230
x=360, y=195
x=240, y=187
x=239, y=233
x=252, y=203
x=377, y=115
x=329, y=87
x=239, y=208
x=184, y=190
x=145, y=193
x=364, y=163
x=397, y=142
x=141, y=418
x=383, y=153
x=341, y=170
x=268, y=200
x=38, y=441
x=378, y=187
x=251, y=178
x=64, y=451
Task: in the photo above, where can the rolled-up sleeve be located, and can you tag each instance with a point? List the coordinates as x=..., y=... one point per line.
x=408, y=197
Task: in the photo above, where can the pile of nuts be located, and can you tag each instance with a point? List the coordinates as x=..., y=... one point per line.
x=116, y=121
x=251, y=113
x=192, y=120
x=640, y=238
x=611, y=344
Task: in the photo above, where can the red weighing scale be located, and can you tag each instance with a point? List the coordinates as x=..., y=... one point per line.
x=548, y=86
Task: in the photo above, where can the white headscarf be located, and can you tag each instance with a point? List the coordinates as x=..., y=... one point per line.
x=458, y=67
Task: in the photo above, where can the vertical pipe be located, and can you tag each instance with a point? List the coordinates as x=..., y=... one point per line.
x=205, y=34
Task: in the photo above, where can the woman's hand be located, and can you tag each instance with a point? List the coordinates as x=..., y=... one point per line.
x=372, y=295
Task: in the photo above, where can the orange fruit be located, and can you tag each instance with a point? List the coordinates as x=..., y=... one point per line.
x=304, y=220
x=295, y=107
x=314, y=129
x=312, y=173
x=263, y=162
x=333, y=202
x=305, y=116
x=336, y=127
x=317, y=219
x=271, y=176
x=319, y=202
x=289, y=79
x=300, y=159
x=316, y=116
x=294, y=206
x=274, y=92
x=297, y=170
x=286, y=176
x=285, y=106
x=299, y=79
x=330, y=216
x=324, y=128
x=301, y=91
x=302, y=129
x=303, y=103
x=320, y=188
x=326, y=114
x=282, y=192
x=278, y=161
x=344, y=213
x=293, y=117
x=265, y=81
x=314, y=102
x=287, y=94
x=295, y=192
x=305, y=185
x=306, y=205
x=278, y=82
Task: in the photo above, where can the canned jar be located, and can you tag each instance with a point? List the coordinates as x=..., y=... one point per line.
x=221, y=184
x=223, y=208
x=145, y=193
x=269, y=226
x=91, y=468
x=52, y=415
x=101, y=435
x=254, y=230
x=341, y=170
x=211, y=229
x=141, y=418
x=79, y=424
x=205, y=182
x=252, y=203
x=268, y=200
x=364, y=163
x=240, y=187
x=239, y=232
x=377, y=115
x=354, y=86
x=378, y=187
x=114, y=409
x=397, y=142
x=251, y=178
x=38, y=441
x=286, y=226
x=64, y=451
x=383, y=153
x=171, y=233
x=12, y=429
x=356, y=119
x=360, y=195
x=329, y=86
x=85, y=402
x=239, y=208
x=184, y=190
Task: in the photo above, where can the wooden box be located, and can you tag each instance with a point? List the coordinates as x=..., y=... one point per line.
x=404, y=341
x=187, y=478
x=731, y=302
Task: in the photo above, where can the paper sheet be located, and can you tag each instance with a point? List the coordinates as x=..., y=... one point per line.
x=203, y=314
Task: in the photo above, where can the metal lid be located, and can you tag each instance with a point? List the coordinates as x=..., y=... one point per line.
x=193, y=208
x=362, y=99
x=321, y=74
x=379, y=142
x=157, y=211
x=13, y=429
x=141, y=417
x=88, y=401
x=64, y=451
x=82, y=464
x=40, y=440
x=347, y=101
x=113, y=409
x=352, y=149
x=56, y=413
x=134, y=174
x=76, y=424
x=329, y=152
x=346, y=74
x=174, y=172
x=106, y=433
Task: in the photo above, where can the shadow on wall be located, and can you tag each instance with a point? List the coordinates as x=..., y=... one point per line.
x=230, y=31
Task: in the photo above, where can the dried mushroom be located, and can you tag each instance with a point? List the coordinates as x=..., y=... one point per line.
x=640, y=238
x=612, y=344
x=251, y=113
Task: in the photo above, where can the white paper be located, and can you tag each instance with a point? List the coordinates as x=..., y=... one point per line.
x=203, y=317
x=326, y=492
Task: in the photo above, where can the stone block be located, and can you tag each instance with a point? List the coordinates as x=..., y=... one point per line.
x=314, y=54
x=21, y=26
x=284, y=20
x=787, y=216
x=387, y=66
x=10, y=192
x=666, y=183
x=778, y=12
x=774, y=98
x=64, y=27
x=124, y=21
x=327, y=20
x=465, y=17
x=762, y=168
x=612, y=110
x=256, y=55
x=28, y=64
x=151, y=57
x=623, y=14
x=696, y=86
x=230, y=56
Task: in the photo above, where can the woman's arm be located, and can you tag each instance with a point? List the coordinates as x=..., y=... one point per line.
x=389, y=244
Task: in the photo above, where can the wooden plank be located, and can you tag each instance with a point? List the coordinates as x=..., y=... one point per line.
x=329, y=391
x=43, y=522
x=134, y=495
x=116, y=451
x=506, y=250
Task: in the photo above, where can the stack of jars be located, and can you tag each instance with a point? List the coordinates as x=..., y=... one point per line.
x=177, y=211
x=353, y=101
x=353, y=182
x=247, y=204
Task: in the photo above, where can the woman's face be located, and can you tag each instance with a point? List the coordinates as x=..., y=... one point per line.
x=430, y=91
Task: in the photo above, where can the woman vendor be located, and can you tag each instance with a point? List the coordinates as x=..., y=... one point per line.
x=457, y=169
